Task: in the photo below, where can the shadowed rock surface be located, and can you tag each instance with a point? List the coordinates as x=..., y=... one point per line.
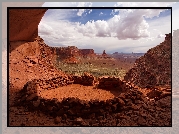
x=23, y=23
x=154, y=68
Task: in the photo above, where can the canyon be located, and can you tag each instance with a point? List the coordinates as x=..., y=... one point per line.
x=40, y=94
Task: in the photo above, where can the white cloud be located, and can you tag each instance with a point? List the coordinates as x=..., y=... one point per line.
x=128, y=24
x=100, y=35
x=80, y=12
x=90, y=11
x=123, y=4
x=131, y=25
x=160, y=36
x=44, y=29
x=83, y=4
x=101, y=13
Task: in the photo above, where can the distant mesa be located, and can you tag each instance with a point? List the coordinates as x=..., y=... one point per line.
x=73, y=52
x=115, y=53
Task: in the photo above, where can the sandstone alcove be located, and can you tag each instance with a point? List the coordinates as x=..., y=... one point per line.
x=23, y=23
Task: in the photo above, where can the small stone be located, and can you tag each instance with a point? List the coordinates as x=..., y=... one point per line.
x=57, y=120
x=36, y=103
x=79, y=120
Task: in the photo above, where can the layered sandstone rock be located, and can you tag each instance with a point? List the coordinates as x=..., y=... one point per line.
x=23, y=23
x=154, y=68
x=72, y=52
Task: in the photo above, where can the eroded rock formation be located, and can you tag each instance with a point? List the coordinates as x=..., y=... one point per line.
x=154, y=68
x=71, y=52
x=30, y=60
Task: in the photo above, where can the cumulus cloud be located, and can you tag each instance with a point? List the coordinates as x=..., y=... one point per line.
x=112, y=35
x=128, y=24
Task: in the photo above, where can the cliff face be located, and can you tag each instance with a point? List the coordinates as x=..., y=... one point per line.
x=154, y=68
x=23, y=23
x=72, y=52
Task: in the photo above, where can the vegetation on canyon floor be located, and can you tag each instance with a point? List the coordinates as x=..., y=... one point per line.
x=95, y=69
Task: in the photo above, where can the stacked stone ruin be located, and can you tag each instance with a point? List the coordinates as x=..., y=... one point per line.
x=131, y=106
x=86, y=79
x=109, y=82
x=115, y=82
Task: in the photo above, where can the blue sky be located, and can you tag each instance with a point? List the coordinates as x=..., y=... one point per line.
x=96, y=14
x=113, y=30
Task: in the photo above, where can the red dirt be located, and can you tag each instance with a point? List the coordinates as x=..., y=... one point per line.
x=79, y=91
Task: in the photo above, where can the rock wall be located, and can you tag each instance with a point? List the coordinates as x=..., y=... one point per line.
x=154, y=68
x=113, y=82
x=86, y=80
x=23, y=23
x=109, y=82
x=128, y=109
